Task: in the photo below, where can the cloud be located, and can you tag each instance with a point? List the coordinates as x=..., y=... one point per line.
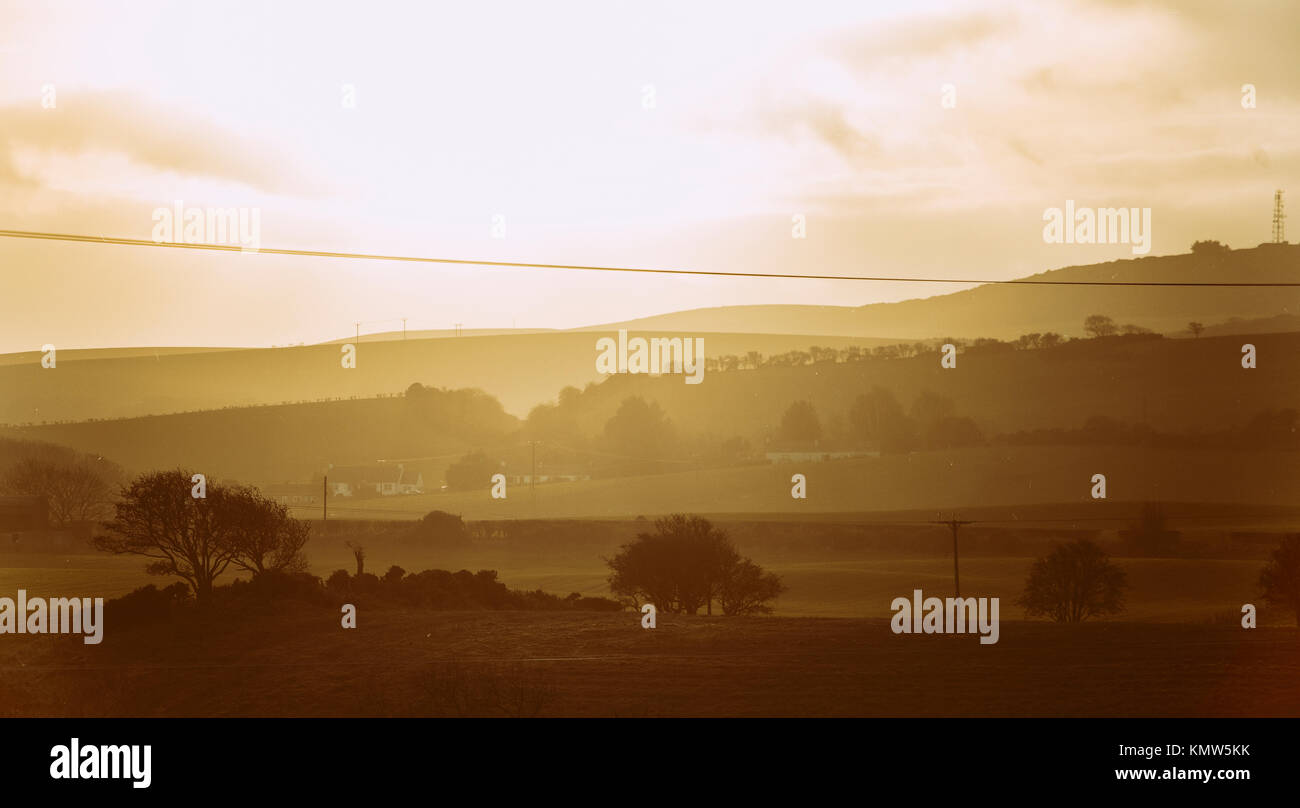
x=869, y=47
x=1018, y=146
x=1247, y=41
x=149, y=135
x=825, y=122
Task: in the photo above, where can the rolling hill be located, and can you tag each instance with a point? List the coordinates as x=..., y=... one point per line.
x=525, y=368
x=1006, y=311
x=1171, y=385
x=520, y=370
x=292, y=442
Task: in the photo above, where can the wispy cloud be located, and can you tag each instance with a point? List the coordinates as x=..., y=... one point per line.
x=150, y=136
x=884, y=45
x=824, y=122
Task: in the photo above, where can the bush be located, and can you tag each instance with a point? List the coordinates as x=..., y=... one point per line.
x=1074, y=582
x=146, y=605
x=271, y=590
x=443, y=528
x=685, y=565
x=339, y=581
x=1280, y=578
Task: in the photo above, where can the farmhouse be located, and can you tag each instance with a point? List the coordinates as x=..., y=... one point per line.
x=380, y=479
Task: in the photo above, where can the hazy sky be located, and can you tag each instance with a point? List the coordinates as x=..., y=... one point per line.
x=538, y=112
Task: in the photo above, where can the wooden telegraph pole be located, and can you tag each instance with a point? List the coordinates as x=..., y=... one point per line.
x=532, y=480
x=954, y=524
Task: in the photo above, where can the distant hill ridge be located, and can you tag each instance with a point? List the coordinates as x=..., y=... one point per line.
x=1004, y=311
x=527, y=367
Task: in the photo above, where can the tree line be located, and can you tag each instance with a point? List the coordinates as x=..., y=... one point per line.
x=684, y=565
x=1095, y=325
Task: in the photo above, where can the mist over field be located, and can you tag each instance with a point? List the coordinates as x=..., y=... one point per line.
x=830, y=458
x=853, y=360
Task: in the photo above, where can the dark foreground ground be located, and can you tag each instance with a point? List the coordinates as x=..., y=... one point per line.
x=399, y=663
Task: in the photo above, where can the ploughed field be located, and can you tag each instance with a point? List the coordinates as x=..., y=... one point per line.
x=301, y=662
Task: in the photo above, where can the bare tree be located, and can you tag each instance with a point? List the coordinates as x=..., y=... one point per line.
x=265, y=538
x=74, y=491
x=159, y=519
x=745, y=589
x=198, y=539
x=1099, y=325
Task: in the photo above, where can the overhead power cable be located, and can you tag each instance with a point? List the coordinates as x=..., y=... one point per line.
x=131, y=242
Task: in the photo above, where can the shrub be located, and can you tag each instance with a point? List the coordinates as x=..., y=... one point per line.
x=146, y=605
x=1074, y=582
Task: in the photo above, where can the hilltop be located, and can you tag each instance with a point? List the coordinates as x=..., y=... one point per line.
x=1006, y=311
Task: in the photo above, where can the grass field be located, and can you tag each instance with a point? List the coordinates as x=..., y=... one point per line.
x=86, y=575
x=819, y=583
x=1023, y=476
x=1178, y=648
x=1163, y=590
x=574, y=664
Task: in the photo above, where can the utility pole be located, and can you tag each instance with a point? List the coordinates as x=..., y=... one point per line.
x=324, y=500
x=954, y=524
x=532, y=478
x=403, y=328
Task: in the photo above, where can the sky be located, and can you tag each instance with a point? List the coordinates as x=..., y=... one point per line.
x=914, y=139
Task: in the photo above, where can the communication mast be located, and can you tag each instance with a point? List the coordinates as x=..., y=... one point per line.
x=1279, y=219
